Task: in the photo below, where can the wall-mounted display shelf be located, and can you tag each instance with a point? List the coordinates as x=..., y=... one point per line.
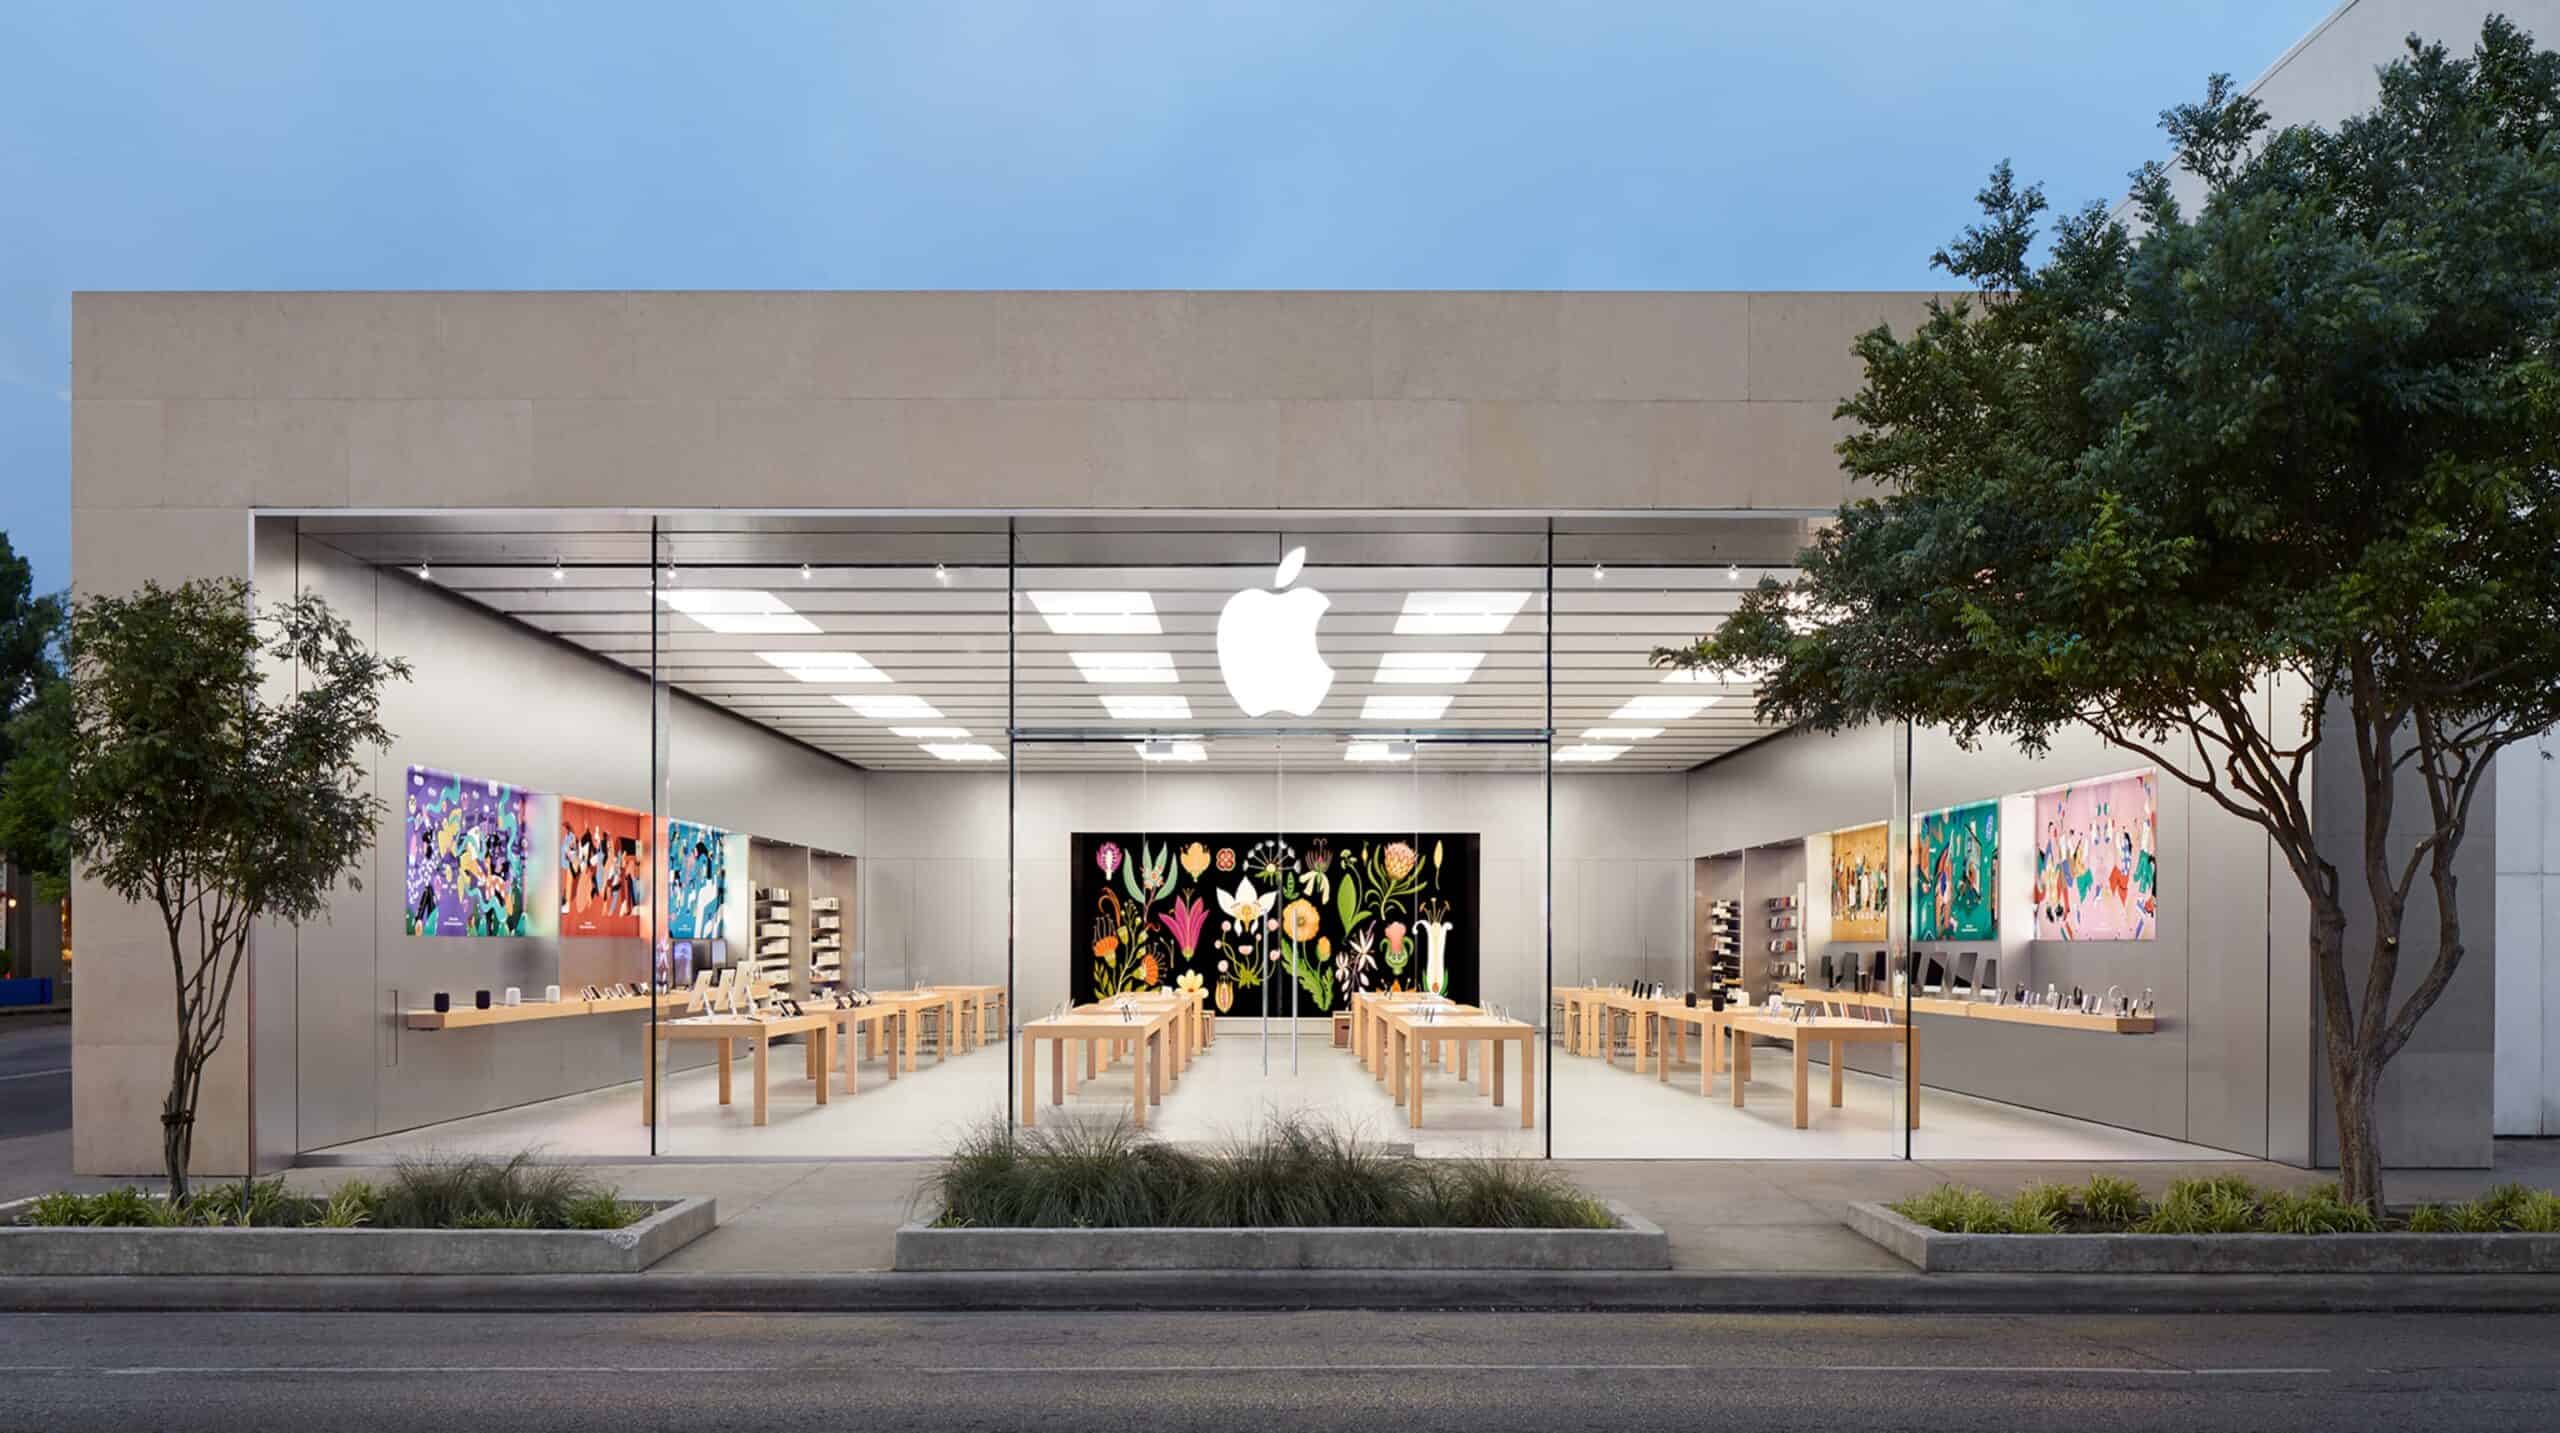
x=462, y=1018
x=1724, y=943
x=826, y=941
x=1980, y=1010
x=773, y=945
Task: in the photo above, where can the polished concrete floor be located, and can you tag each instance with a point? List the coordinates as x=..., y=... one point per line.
x=1599, y=1112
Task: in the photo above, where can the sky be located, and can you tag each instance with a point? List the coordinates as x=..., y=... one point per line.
x=1289, y=144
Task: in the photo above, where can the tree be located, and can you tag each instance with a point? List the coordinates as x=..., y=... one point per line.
x=31, y=706
x=2306, y=439
x=35, y=790
x=195, y=793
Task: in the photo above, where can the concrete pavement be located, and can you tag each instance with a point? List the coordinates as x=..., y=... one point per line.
x=1415, y=1372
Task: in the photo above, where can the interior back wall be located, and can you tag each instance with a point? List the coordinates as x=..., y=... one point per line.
x=492, y=700
x=2201, y=1077
x=933, y=877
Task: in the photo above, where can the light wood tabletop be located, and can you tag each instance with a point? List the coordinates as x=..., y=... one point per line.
x=1154, y=1029
x=1411, y=1030
x=758, y=1032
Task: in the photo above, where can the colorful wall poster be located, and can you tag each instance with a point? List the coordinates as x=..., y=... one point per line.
x=2097, y=863
x=604, y=869
x=1296, y=921
x=1955, y=882
x=467, y=853
x=1858, y=884
x=697, y=880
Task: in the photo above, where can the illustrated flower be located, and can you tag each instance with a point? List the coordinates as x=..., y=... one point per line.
x=1301, y=921
x=1400, y=859
x=1435, y=929
x=1188, y=915
x=1108, y=858
x=1195, y=859
x=1190, y=983
x=1226, y=858
x=1226, y=997
x=1147, y=969
x=1395, y=943
x=1319, y=854
x=1271, y=858
x=1244, y=903
x=1106, y=946
x=1155, y=872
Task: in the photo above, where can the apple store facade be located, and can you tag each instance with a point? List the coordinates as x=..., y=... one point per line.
x=840, y=722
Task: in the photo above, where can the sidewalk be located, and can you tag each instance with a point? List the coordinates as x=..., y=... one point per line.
x=1780, y=1217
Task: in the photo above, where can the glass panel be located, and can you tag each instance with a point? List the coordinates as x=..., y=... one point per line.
x=508, y=868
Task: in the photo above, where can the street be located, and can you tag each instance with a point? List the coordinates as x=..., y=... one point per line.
x=1123, y=1372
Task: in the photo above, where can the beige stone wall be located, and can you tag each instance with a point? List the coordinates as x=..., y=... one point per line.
x=192, y=410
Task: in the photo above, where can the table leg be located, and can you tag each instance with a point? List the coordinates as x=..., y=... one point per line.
x=1092, y=1059
x=1494, y=1060
x=907, y=1022
x=1528, y=1084
x=1710, y=1055
x=1138, y=1097
x=762, y=1049
x=891, y=1040
x=649, y=1043
x=1741, y=1075
x=1838, y=1051
x=818, y=1058
x=1413, y=1101
x=850, y=1037
x=1155, y=1048
x=1804, y=1116
x=1396, y=1038
x=1058, y=1072
x=1462, y=1057
x=722, y=1045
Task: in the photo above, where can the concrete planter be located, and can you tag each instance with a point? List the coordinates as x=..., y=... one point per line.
x=671, y=1225
x=1939, y=1253
x=1635, y=1244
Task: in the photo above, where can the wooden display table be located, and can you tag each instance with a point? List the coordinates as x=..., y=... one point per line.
x=977, y=1002
x=1412, y=1029
x=1154, y=1029
x=1369, y=1011
x=724, y=1031
x=1739, y=1024
x=865, y=1030
x=1975, y=1010
x=1585, y=1007
x=911, y=1003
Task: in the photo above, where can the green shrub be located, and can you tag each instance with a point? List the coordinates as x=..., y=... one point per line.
x=2538, y=1213
x=601, y=1210
x=60, y=1209
x=1954, y=1209
x=2041, y=1208
x=350, y=1206
x=2225, y=1204
x=2432, y=1219
x=1292, y=1173
x=249, y=1204
x=2317, y=1210
x=2111, y=1201
x=130, y=1208
x=472, y=1191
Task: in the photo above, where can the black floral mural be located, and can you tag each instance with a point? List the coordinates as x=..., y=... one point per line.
x=1262, y=919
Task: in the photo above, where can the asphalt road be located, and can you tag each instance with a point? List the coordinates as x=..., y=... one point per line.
x=35, y=1075
x=1405, y=1373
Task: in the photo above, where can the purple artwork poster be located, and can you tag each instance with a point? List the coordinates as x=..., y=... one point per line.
x=466, y=856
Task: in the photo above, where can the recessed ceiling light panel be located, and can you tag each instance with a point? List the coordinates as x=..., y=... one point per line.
x=1589, y=753
x=1469, y=614
x=738, y=611
x=826, y=666
x=1378, y=751
x=1110, y=667
x=891, y=708
x=1127, y=707
x=1620, y=733
x=962, y=751
x=931, y=733
x=1177, y=751
x=1644, y=709
x=1428, y=668
x=1097, y=613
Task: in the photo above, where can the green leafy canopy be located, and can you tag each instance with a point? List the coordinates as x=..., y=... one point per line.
x=2226, y=484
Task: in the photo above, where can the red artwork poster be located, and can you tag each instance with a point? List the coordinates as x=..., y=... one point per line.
x=604, y=869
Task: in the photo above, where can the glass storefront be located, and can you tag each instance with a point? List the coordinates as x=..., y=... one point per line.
x=837, y=836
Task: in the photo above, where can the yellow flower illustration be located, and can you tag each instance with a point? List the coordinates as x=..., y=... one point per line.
x=1195, y=859
x=1300, y=921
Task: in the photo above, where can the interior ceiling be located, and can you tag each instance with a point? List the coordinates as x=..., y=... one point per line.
x=923, y=600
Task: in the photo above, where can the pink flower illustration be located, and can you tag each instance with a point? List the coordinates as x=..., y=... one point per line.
x=1108, y=858
x=1188, y=915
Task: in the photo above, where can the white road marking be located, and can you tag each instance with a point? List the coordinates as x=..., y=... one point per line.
x=1087, y=1371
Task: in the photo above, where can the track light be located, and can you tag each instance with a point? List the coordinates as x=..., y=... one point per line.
x=425, y=573
x=558, y=572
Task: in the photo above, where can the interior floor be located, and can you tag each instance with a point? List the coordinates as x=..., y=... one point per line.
x=1609, y=1112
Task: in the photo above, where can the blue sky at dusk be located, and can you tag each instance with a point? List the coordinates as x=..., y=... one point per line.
x=1307, y=144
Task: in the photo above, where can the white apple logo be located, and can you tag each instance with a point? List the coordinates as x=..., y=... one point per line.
x=1267, y=645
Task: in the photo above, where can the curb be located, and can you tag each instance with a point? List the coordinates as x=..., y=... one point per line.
x=1636, y=1243
x=1293, y=1289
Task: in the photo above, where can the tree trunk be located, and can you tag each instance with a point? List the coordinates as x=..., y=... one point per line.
x=177, y=1141
x=2351, y=1087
